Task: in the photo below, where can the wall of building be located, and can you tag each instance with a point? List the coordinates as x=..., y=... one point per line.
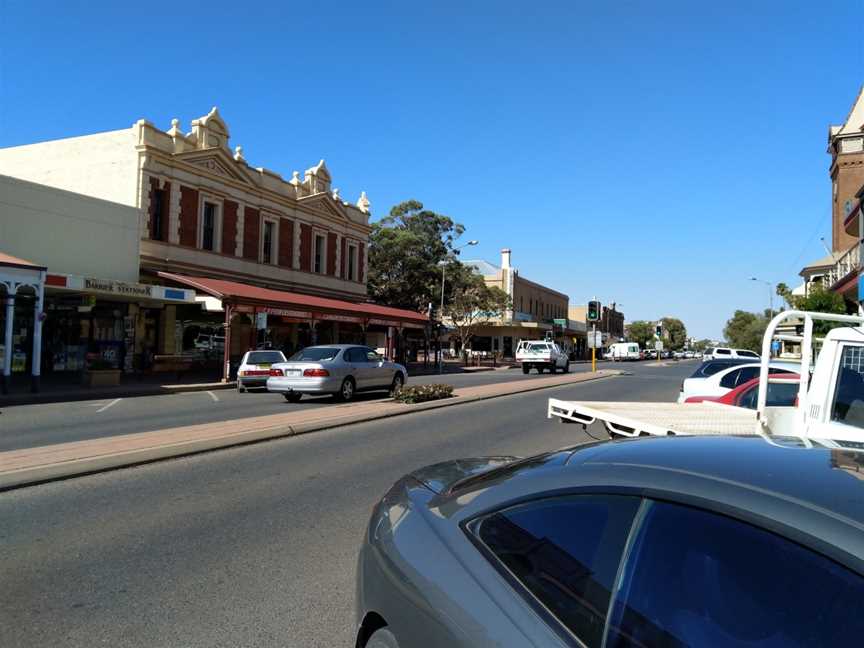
x=104, y=165
x=67, y=232
x=541, y=302
x=847, y=175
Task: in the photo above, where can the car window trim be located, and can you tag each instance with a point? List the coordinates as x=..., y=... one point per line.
x=470, y=528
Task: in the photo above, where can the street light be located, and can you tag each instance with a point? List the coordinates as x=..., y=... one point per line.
x=441, y=312
x=770, y=295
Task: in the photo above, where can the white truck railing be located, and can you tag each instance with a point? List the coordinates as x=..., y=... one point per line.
x=806, y=362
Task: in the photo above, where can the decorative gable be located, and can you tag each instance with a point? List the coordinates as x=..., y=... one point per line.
x=217, y=163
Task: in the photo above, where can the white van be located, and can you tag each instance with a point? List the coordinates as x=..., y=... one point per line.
x=624, y=351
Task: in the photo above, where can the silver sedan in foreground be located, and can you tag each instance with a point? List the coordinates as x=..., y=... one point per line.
x=338, y=369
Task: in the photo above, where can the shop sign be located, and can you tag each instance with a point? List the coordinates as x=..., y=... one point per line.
x=329, y=317
x=117, y=287
x=385, y=322
x=284, y=312
x=260, y=321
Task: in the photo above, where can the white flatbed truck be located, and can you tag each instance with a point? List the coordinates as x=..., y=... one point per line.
x=830, y=402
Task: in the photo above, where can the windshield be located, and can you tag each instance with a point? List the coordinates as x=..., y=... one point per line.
x=265, y=357
x=538, y=347
x=315, y=354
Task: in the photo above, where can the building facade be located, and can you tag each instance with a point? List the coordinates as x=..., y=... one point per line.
x=205, y=214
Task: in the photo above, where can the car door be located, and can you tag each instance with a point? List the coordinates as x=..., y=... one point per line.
x=697, y=578
x=355, y=359
x=379, y=372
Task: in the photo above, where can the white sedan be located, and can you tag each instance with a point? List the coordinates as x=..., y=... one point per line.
x=728, y=379
x=254, y=368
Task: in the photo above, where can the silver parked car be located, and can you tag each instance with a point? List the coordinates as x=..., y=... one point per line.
x=676, y=541
x=338, y=369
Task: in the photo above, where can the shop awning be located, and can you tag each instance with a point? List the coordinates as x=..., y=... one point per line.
x=122, y=290
x=298, y=305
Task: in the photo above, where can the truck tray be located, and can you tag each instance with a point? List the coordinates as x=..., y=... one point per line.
x=657, y=419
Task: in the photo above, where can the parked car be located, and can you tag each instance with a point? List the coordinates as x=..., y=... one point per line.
x=701, y=541
x=782, y=392
x=727, y=379
x=341, y=370
x=254, y=369
x=719, y=353
x=541, y=355
x=625, y=351
x=206, y=342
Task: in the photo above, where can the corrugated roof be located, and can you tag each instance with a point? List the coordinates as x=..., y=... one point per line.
x=9, y=260
x=243, y=292
x=483, y=267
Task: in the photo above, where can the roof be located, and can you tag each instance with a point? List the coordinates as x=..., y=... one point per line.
x=9, y=260
x=824, y=262
x=855, y=119
x=483, y=267
x=236, y=291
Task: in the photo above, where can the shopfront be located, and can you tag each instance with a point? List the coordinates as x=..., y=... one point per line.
x=255, y=317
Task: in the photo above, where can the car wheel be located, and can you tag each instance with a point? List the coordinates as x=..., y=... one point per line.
x=398, y=381
x=292, y=397
x=240, y=388
x=382, y=638
x=346, y=391
x=525, y=369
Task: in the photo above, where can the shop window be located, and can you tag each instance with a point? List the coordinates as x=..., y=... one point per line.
x=352, y=263
x=157, y=216
x=208, y=227
x=319, y=260
x=268, y=241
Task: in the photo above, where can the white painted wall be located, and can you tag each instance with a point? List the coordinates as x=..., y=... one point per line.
x=68, y=232
x=104, y=165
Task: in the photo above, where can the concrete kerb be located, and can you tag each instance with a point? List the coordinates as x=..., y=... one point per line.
x=86, y=465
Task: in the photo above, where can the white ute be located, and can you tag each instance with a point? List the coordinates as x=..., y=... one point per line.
x=829, y=409
x=540, y=355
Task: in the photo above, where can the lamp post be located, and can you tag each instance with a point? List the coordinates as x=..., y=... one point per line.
x=441, y=312
x=770, y=295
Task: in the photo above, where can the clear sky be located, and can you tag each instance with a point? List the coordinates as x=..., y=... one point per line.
x=656, y=154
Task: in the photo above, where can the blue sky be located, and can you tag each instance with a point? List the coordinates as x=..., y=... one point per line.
x=656, y=154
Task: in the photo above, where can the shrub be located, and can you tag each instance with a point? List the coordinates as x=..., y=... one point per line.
x=423, y=393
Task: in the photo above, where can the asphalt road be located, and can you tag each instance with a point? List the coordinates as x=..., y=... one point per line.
x=250, y=546
x=27, y=426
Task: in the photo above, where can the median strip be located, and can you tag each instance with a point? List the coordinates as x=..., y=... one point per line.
x=56, y=461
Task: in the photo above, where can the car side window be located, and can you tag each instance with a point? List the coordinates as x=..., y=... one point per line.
x=730, y=379
x=695, y=578
x=371, y=356
x=748, y=398
x=725, y=352
x=746, y=374
x=354, y=355
x=848, y=404
x=565, y=551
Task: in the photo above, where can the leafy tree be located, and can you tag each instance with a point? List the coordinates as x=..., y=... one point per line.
x=701, y=345
x=821, y=300
x=674, y=333
x=405, y=249
x=474, y=304
x=745, y=330
x=784, y=291
x=642, y=332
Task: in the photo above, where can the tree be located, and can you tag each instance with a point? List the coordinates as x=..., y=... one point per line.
x=642, y=332
x=821, y=300
x=674, y=333
x=474, y=303
x=405, y=249
x=745, y=330
x=784, y=292
x=701, y=345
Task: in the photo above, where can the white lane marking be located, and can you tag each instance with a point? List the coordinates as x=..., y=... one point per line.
x=111, y=404
x=213, y=396
x=95, y=404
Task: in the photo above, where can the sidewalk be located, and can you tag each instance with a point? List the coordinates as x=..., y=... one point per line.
x=34, y=465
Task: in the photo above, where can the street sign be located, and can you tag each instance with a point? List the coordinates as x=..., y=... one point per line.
x=595, y=340
x=260, y=321
x=658, y=345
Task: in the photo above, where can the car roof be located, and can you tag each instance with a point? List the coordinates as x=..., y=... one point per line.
x=813, y=494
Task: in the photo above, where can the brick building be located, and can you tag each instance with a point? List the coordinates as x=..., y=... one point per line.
x=253, y=244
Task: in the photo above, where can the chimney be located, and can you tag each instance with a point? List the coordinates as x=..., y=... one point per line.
x=505, y=258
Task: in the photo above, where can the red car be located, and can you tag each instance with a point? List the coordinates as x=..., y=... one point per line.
x=782, y=392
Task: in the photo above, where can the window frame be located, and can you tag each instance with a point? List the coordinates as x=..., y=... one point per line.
x=217, y=222
x=316, y=236
x=160, y=217
x=351, y=273
x=274, y=246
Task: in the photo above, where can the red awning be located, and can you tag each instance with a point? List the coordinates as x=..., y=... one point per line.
x=290, y=301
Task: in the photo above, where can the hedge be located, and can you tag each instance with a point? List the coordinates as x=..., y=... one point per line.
x=423, y=393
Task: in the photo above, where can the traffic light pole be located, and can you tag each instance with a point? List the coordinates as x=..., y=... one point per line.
x=594, y=347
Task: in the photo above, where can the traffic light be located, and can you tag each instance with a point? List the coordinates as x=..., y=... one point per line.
x=593, y=311
x=659, y=331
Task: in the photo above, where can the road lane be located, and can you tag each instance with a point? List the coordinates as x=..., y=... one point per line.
x=29, y=426
x=252, y=546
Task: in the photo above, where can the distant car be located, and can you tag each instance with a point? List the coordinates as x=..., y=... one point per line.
x=206, y=342
x=782, y=392
x=727, y=379
x=541, y=355
x=341, y=370
x=719, y=353
x=254, y=369
x=676, y=541
x=625, y=351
